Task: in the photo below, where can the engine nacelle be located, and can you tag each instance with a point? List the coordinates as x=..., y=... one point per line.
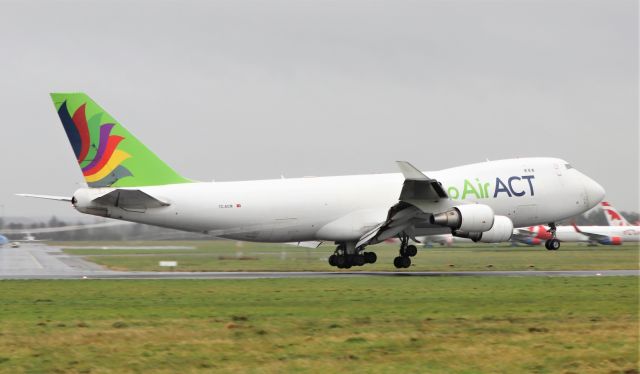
x=474, y=236
x=612, y=240
x=466, y=218
x=532, y=241
x=500, y=232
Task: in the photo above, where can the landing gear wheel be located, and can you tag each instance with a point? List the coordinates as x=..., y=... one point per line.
x=341, y=261
x=406, y=250
x=332, y=260
x=370, y=257
x=358, y=260
x=411, y=250
x=552, y=244
x=406, y=262
x=402, y=262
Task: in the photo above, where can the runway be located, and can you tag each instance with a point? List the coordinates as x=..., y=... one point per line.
x=39, y=261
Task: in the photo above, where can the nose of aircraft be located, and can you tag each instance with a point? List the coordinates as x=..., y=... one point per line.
x=595, y=192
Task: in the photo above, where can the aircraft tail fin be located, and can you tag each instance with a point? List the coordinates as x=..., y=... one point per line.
x=614, y=218
x=108, y=154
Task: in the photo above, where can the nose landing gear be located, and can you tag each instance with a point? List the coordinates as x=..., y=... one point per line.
x=552, y=244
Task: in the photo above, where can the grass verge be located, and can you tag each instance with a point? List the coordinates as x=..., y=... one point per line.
x=238, y=256
x=378, y=325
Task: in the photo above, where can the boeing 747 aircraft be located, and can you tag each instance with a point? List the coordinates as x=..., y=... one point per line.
x=483, y=201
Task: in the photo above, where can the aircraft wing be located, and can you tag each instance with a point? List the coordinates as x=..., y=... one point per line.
x=523, y=232
x=417, y=190
x=309, y=244
x=592, y=236
x=522, y=235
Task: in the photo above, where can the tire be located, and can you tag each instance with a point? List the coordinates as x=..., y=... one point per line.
x=554, y=244
x=411, y=250
x=359, y=260
x=370, y=257
x=397, y=262
x=332, y=260
x=341, y=261
x=406, y=262
x=546, y=244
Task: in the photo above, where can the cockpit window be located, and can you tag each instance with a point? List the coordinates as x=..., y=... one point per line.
x=568, y=166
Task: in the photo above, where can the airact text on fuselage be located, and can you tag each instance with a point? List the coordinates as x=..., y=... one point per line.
x=513, y=186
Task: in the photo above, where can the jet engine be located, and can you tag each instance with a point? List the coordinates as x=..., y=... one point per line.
x=501, y=231
x=612, y=240
x=532, y=241
x=471, y=218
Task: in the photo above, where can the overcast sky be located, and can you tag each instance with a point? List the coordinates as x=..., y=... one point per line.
x=238, y=90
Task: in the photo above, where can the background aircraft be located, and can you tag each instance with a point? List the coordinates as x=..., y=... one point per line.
x=619, y=230
x=4, y=241
x=449, y=240
x=481, y=201
x=614, y=218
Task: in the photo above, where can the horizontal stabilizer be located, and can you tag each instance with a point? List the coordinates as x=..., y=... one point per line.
x=410, y=172
x=130, y=199
x=46, y=197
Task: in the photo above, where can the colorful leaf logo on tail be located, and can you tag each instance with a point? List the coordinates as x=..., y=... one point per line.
x=105, y=168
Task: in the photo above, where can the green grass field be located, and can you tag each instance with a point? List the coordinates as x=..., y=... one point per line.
x=374, y=325
x=231, y=256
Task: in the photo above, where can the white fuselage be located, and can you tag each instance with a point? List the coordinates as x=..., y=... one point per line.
x=529, y=191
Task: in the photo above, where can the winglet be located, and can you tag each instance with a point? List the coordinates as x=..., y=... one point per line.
x=418, y=186
x=410, y=172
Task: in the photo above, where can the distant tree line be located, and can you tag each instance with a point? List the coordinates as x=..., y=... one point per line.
x=127, y=231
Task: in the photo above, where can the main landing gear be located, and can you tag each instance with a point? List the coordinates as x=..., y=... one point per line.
x=406, y=252
x=552, y=244
x=346, y=256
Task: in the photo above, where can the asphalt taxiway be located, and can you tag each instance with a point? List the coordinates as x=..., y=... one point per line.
x=39, y=261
